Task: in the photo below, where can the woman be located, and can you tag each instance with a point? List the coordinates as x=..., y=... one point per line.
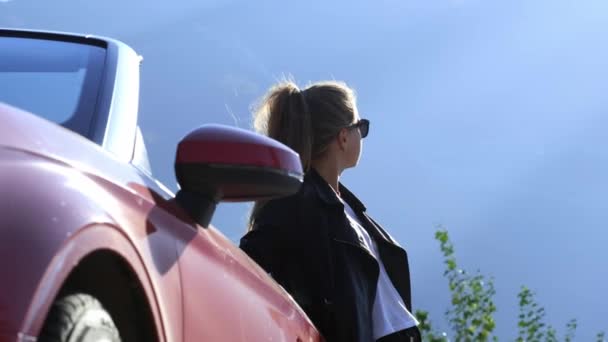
x=343, y=269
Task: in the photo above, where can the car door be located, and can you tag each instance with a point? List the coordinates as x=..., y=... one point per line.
x=227, y=297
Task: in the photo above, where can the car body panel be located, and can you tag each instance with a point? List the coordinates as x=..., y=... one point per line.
x=245, y=298
x=54, y=194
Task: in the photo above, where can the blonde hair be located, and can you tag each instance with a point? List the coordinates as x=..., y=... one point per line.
x=305, y=120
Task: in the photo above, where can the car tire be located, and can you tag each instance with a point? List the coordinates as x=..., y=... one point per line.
x=78, y=317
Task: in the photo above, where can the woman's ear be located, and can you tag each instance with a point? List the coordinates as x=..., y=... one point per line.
x=342, y=139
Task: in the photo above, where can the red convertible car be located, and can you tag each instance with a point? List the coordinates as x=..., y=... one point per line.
x=92, y=247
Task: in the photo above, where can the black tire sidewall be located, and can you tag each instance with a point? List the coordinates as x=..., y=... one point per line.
x=78, y=317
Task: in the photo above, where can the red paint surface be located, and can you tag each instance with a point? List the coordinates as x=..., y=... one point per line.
x=214, y=144
x=64, y=197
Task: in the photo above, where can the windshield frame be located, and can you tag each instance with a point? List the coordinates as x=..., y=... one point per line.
x=83, y=118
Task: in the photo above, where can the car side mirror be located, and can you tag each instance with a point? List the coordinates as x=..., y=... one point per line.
x=217, y=163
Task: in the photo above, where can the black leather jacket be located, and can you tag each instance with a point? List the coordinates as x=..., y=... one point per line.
x=305, y=242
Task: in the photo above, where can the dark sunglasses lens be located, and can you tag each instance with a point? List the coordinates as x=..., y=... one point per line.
x=364, y=127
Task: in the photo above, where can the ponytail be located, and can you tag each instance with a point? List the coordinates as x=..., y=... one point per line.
x=284, y=116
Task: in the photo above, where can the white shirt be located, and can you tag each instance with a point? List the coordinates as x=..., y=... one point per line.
x=389, y=313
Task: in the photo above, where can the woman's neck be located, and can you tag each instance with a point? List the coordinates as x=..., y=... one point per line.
x=330, y=174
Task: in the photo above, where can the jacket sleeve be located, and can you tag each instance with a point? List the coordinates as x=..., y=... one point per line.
x=265, y=247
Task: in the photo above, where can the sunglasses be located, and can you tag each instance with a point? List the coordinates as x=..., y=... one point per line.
x=362, y=125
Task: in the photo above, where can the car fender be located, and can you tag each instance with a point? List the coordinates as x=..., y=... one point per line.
x=52, y=216
x=95, y=237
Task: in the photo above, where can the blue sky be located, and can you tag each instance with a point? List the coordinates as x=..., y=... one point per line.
x=488, y=117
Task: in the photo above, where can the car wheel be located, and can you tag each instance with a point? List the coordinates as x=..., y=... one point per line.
x=79, y=317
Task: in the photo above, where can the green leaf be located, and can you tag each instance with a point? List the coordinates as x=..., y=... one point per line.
x=442, y=236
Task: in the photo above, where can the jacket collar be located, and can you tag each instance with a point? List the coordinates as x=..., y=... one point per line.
x=327, y=194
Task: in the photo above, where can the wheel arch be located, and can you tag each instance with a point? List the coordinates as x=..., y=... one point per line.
x=108, y=254
x=109, y=278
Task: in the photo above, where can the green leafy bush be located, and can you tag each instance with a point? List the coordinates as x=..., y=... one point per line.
x=472, y=308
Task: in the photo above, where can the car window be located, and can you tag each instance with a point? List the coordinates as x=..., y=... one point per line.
x=52, y=79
